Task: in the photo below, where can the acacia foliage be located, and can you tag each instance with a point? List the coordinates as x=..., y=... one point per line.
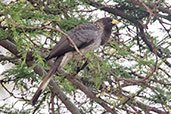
x=130, y=74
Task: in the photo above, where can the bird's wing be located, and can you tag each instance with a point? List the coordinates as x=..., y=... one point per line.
x=82, y=36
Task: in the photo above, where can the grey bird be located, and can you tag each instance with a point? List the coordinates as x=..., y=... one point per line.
x=86, y=37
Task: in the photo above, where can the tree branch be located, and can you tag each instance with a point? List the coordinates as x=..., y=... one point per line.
x=89, y=93
x=38, y=70
x=137, y=23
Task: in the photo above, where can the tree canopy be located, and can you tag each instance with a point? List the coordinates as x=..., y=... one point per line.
x=130, y=74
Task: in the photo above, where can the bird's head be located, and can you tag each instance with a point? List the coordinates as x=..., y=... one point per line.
x=106, y=23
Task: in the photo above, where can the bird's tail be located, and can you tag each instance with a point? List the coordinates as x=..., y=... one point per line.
x=46, y=81
x=43, y=85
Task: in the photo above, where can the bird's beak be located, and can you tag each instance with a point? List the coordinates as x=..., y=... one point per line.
x=114, y=21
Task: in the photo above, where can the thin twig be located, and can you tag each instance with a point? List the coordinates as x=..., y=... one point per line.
x=57, y=30
x=67, y=36
x=52, y=102
x=148, y=10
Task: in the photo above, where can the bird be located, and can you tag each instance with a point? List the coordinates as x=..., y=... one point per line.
x=86, y=37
